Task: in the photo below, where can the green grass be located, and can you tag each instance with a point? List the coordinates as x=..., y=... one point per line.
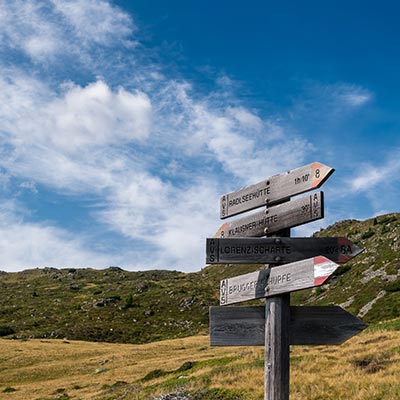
x=391, y=325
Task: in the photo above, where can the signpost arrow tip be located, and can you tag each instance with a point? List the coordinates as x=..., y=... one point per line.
x=309, y=325
x=323, y=269
x=320, y=173
x=347, y=250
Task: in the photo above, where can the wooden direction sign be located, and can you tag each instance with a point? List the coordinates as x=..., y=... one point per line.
x=245, y=326
x=273, y=219
x=274, y=189
x=279, y=250
x=303, y=263
x=277, y=280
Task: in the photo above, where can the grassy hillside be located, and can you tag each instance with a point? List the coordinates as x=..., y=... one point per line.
x=114, y=305
x=365, y=367
x=108, y=305
x=369, y=285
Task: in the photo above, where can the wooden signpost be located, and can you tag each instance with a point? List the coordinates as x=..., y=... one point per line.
x=245, y=326
x=311, y=262
x=273, y=219
x=275, y=189
x=277, y=280
x=278, y=250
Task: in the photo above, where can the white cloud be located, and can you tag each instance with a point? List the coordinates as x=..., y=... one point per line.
x=250, y=152
x=25, y=245
x=328, y=104
x=70, y=140
x=94, y=115
x=348, y=95
x=246, y=118
x=194, y=218
x=94, y=21
x=308, y=229
x=376, y=182
x=21, y=96
x=45, y=30
x=135, y=205
x=357, y=99
x=80, y=116
x=23, y=27
x=372, y=176
x=29, y=186
x=368, y=178
x=241, y=142
x=4, y=179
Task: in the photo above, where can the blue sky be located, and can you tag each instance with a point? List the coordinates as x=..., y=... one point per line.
x=123, y=122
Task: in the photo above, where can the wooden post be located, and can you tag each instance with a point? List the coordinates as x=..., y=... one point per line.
x=277, y=349
x=277, y=313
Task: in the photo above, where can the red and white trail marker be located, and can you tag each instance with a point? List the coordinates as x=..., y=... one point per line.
x=323, y=269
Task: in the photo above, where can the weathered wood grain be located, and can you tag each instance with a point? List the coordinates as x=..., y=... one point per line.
x=277, y=280
x=278, y=250
x=237, y=326
x=274, y=189
x=311, y=325
x=277, y=343
x=273, y=219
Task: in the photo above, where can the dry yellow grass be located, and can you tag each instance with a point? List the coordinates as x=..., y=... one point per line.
x=367, y=367
x=41, y=368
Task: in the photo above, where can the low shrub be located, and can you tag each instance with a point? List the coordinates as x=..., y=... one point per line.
x=9, y=390
x=367, y=234
x=156, y=373
x=6, y=330
x=393, y=286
